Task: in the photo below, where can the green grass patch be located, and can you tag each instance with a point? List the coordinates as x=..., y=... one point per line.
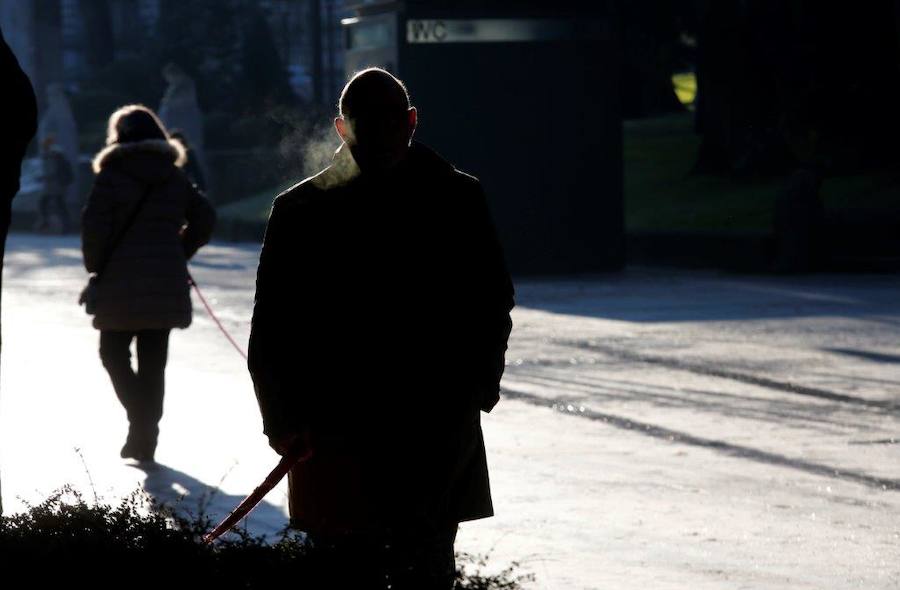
x=253, y=208
x=866, y=191
x=661, y=194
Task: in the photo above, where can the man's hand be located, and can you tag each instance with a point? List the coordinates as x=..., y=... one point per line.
x=294, y=443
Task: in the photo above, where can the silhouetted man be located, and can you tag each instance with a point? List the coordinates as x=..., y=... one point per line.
x=18, y=120
x=379, y=333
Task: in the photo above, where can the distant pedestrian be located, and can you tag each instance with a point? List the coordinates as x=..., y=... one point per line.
x=379, y=333
x=56, y=176
x=143, y=221
x=192, y=165
x=58, y=119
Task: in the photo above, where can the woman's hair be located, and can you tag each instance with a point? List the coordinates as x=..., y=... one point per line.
x=134, y=123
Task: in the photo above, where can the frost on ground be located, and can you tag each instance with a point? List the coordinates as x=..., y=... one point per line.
x=659, y=429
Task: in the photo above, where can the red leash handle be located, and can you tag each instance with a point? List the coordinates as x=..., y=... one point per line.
x=286, y=464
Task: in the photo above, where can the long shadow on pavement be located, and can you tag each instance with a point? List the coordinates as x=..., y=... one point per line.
x=824, y=418
x=649, y=296
x=719, y=446
x=710, y=371
x=875, y=357
x=191, y=498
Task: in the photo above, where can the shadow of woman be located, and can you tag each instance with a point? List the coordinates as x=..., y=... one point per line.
x=191, y=498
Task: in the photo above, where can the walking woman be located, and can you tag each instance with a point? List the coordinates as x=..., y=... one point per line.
x=143, y=221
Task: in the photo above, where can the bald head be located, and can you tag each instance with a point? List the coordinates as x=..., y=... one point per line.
x=373, y=91
x=376, y=120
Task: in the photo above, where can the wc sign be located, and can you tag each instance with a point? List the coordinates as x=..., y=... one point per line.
x=491, y=30
x=426, y=31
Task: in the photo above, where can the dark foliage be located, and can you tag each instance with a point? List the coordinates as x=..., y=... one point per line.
x=224, y=45
x=69, y=541
x=654, y=47
x=786, y=84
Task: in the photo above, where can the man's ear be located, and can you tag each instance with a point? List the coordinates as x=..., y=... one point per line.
x=343, y=128
x=413, y=115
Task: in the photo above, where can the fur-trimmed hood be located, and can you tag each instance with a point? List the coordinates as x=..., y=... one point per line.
x=171, y=148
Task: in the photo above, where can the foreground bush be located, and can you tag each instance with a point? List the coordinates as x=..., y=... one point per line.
x=68, y=541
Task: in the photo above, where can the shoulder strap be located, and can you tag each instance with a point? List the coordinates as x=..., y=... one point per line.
x=118, y=239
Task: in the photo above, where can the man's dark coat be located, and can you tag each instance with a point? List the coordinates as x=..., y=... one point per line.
x=380, y=324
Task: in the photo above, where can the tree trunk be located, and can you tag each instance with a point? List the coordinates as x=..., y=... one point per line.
x=650, y=43
x=47, y=46
x=741, y=50
x=98, y=32
x=315, y=27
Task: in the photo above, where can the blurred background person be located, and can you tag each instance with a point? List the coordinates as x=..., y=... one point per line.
x=143, y=221
x=58, y=122
x=192, y=166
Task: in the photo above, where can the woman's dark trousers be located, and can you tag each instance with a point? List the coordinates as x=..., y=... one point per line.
x=141, y=392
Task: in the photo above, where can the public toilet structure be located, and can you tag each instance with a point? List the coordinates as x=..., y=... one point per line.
x=524, y=97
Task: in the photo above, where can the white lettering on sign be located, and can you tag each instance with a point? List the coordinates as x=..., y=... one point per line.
x=426, y=31
x=501, y=30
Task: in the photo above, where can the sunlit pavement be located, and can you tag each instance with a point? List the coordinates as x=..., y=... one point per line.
x=659, y=430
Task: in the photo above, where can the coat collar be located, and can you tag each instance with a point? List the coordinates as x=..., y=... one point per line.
x=171, y=147
x=344, y=169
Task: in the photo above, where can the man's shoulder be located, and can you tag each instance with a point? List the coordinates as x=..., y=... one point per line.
x=466, y=180
x=439, y=166
x=463, y=187
x=302, y=193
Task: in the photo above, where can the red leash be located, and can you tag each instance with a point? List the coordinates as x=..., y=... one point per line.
x=277, y=474
x=212, y=314
x=250, y=502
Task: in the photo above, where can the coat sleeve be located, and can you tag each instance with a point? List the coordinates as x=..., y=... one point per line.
x=97, y=221
x=201, y=219
x=497, y=288
x=269, y=354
